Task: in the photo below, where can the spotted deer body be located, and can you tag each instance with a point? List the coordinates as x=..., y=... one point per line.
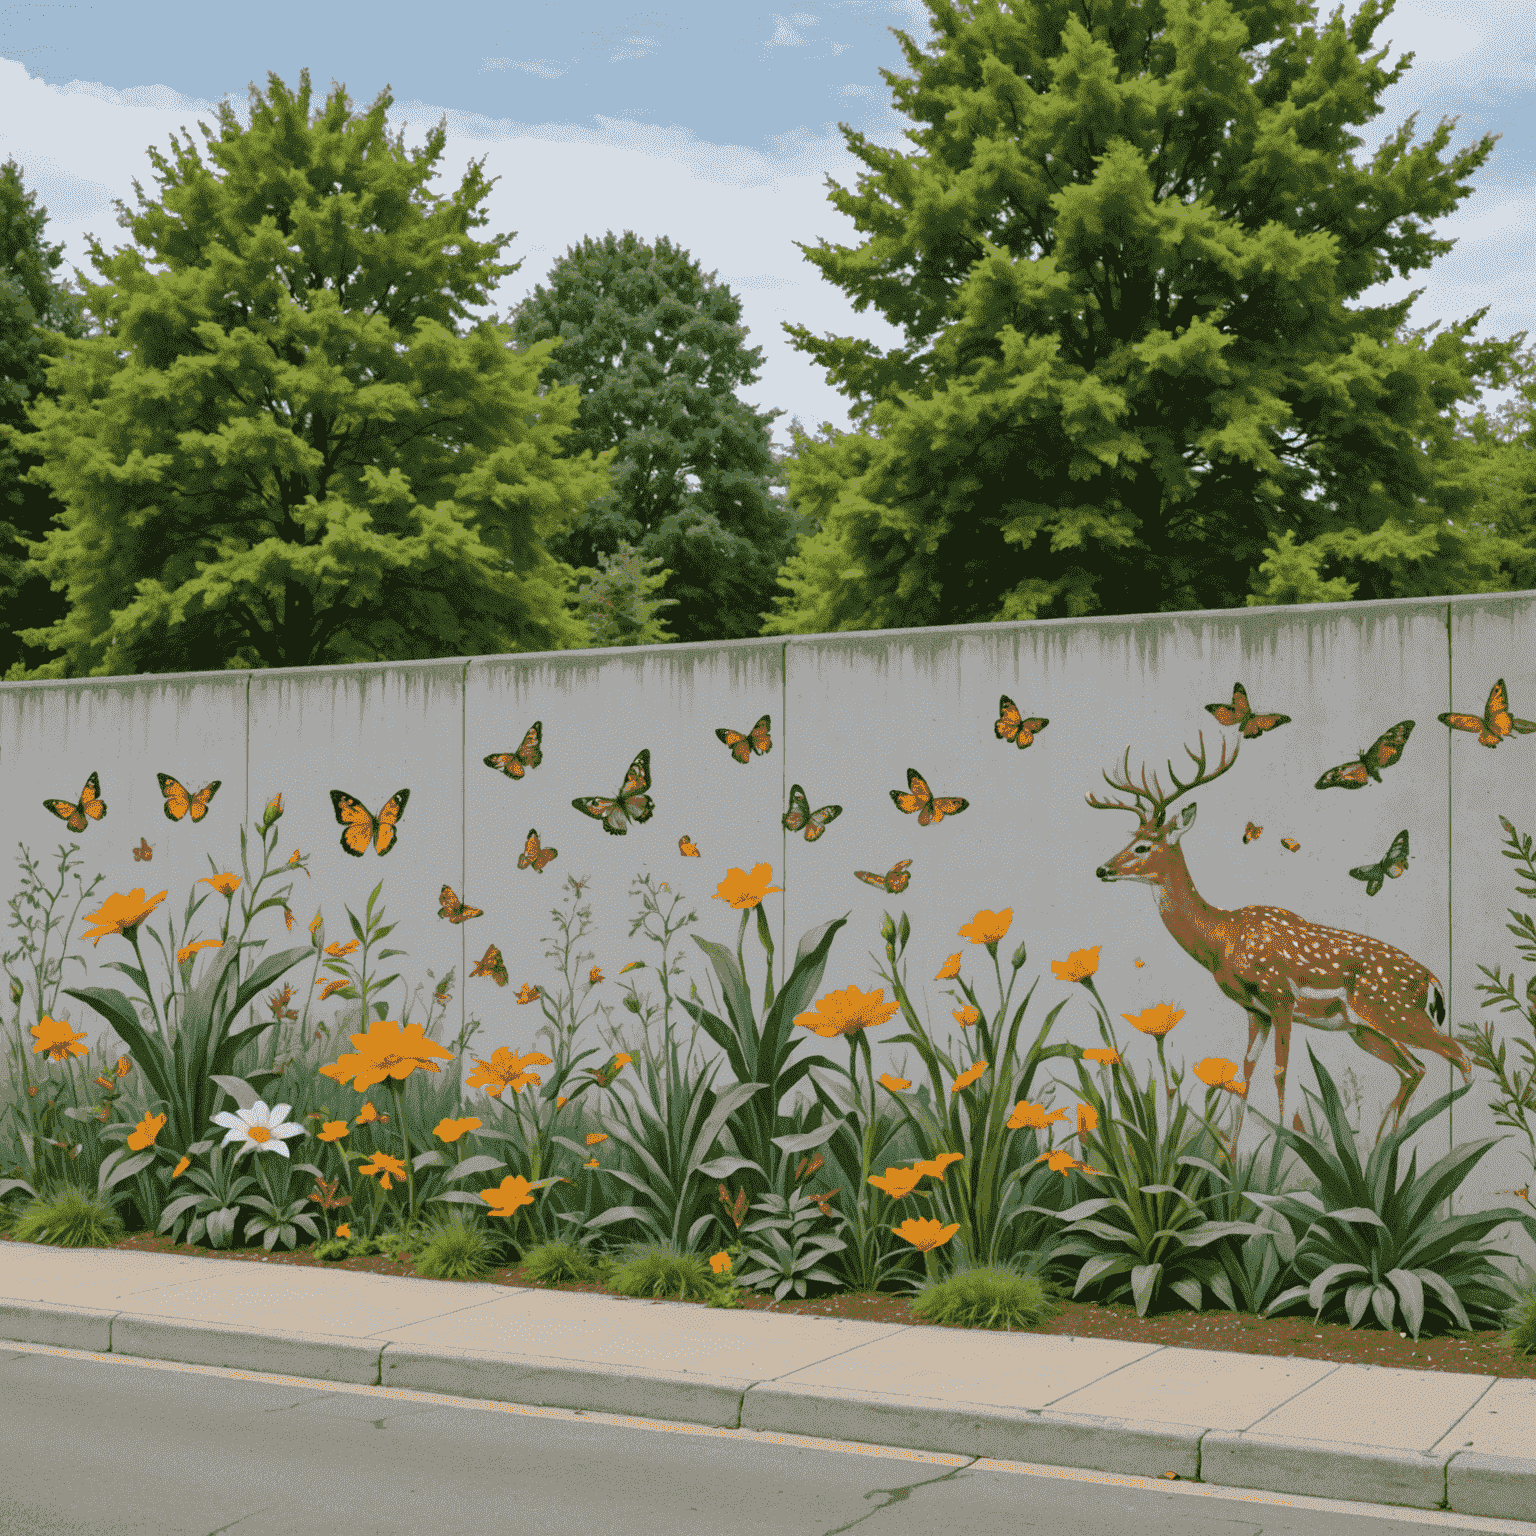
x=1278, y=966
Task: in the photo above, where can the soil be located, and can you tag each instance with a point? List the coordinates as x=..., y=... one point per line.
x=1483, y=1352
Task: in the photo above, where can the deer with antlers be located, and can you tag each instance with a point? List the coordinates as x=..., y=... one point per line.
x=1277, y=965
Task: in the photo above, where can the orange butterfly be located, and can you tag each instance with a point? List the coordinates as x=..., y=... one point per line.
x=1250, y=832
x=491, y=964
x=800, y=815
x=631, y=804
x=363, y=827
x=1496, y=722
x=1140, y=963
x=1240, y=712
x=929, y=807
x=895, y=881
x=179, y=801
x=90, y=805
x=687, y=847
x=743, y=746
x=1289, y=844
x=516, y=764
x=1381, y=753
x=1011, y=725
x=535, y=855
x=454, y=909
x=143, y=853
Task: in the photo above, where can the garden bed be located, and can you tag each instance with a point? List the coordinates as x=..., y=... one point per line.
x=1481, y=1353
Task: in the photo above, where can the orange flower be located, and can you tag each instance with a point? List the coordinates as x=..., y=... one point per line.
x=1079, y=965
x=387, y=1051
x=934, y=1167
x=1218, y=1072
x=894, y=1084
x=273, y=811
x=332, y=984
x=966, y=1016
x=288, y=919
x=1027, y=1116
x=924, y=1233
x=513, y=1191
x=120, y=914
x=593, y=1137
x=742, y=890
x=988, y=927
x=1087, y=1118
x=1155, y=1021
x=295, y=856
x=505, y=1070
x=181, y=1167
x=183, y=955
x=225, y=884
x=634, y=965
x=1101, y=1053
x=898, y=1183
x=123, y=1064
x=623, y=1059
x=334, y=1130
x=314, y=927
x=58, y=1039
x=144, y=1136
x=968, y=1077
x=720, y=1262
x=687, y=847
x=529, y=994
x=385, y=1165
x=950, y=969
x=594, y=976
x=560, y=1102
x=344, y=1230
x=591, y=1162
x=841, y=1013
x=340, y=951
x=451, y=1130
x=1062, y=1162
x=366, y=1113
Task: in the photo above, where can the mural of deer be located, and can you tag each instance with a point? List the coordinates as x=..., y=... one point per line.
x=1277, y=965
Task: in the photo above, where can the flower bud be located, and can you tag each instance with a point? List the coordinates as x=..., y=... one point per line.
x=1018, y=955
x=888, y=930
x=906, y=930
x=273, y=812
x=16, y=990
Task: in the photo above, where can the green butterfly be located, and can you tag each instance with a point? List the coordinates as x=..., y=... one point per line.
x=1389, y=867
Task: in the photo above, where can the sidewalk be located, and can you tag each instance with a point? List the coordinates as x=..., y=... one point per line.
x=1426, y=1439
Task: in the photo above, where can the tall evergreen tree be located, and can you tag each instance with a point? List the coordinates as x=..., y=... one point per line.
x=1128, y=252
x=300, y=459
x=656, y=350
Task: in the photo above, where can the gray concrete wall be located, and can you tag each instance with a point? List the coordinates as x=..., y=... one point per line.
x=850, y=714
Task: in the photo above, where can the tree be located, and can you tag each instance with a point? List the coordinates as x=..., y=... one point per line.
x=285, y=454
x=30, y=302
x=1126, y=255
x=656, y=350
x=617, y=601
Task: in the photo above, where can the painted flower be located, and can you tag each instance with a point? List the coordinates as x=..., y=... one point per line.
x=181, y=1167
x=742, y=890
x=331, y=985
x=841, y=1013
x=144, y=1136
x=318, y=923
x=988, y=927
x=344, y=1230
x=58, y=1039
x=1062, y=1162
x=950, y=969
x=634, y=965
x=121, y=914
x=386, y=1167
x=1027, y=1116
x=288, y=919
x=186, y=953
x=529, y=994
x=720, y=1262
x=505, y=1070
x=1154, y=1021
x=594, y=976
x=451, y=1130
x=226, y=884
x=968, y=1077
x=894, y=1084
x=924, y=1233
x=898, y=1183
x=1218, y=1072
x=513, y=1191
x=933, y=1167
x=591, y=1162
x=1087, y=1118
x=340, y=951
x=273, y=811
x=334, y=1130
x=1102, y=1053
x=1079, y=965
x=560, y=1102
x=593, y=1137
x=387, y=1051
x=966, y=1016
x=367, y=1112
x=258, y=1129
x=123, y=1064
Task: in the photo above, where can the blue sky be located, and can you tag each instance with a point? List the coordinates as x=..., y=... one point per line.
x=713, y=125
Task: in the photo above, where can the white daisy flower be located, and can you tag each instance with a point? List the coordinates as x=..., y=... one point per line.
x=258, y=1128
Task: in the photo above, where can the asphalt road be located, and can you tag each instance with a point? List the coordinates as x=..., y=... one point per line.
x=117, y=1447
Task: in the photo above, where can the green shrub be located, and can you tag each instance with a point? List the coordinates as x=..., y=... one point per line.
x=456, y=1250
x=661, y=1274
x=989, y=1297
x=1522, y=1325
x=557, y=1263
x=72, y=1219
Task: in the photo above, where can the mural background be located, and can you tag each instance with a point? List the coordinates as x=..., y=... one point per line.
x=850, y=714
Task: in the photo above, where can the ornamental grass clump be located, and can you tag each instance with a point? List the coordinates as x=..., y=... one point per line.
x=661, y=1274
x=456, y=1250
x=72, y=1219
x=558, y=1264
x=994, y=1296
x=1522, y=1325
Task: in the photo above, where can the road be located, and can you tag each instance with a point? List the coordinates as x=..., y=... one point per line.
x=116, y=1447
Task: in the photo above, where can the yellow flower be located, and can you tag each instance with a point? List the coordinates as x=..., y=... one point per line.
x=144, y=1136
x=225, y=884
x=529, y=994
x=367, y=1113
x=594, y=976
x=593, y=1137
x=183, y=955
x=742, y=890
x=181, y=1167
x=968, y=1077
x=1027, y=1116
x=339, y=951
x=389, y=1167
x=120, y=914
x=1101, y=1053
x=1154, y=1021
x=1218, y=1072
x=898, y=1183
x=924, y=1233
x=988, y=927
x=966, y=1016
x=841, y=1013
x=334, y=1130
x=950, y=969
x=1062, y=1162
x=58, y=1039
x=934, y=1167
x=720, y=1262
x=451, y=1130
x=894, y=1084
x=387, y=1051
x=344, y=1230
x=504, y=1070
x=513, y=1191
x=1079, y=965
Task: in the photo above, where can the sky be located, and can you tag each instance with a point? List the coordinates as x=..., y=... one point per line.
x=713, y=125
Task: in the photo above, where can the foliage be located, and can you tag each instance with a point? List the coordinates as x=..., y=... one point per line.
x=661, y=1273
x=617, y=601
x=382, y=484
x=556, y=1263
x=72, y=1219
x=1131, y=253
x=995, y=1296
x=656, y=349
x=1521, y=1336
x=790, y=1254
x=456, y=1250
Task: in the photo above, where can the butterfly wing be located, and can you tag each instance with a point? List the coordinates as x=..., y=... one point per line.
x=543, y=857
x=177, y=800
x=1256, y=725
x=878, y=881
x=1237, y=712
x=1372, y=874
x=799, y=813
x=143, y=852
x=531, y=850
x=1388, y=747
x=198, y=806
x=738, y=741
x=528, y=755
x=898, y=876
x=491, y=964
x=631, y=804
x=389, y=818
x=918, y=798
x=945, y=805
x=1345, y=776
x=90, y=799
x=72, y=815
x=1031, y=728
x=1251, y=831
x=356, y=820
x=451, y=907
x=820, y=819
x=762, y=742
x=687, y=847
x=1398, y=852
x=1461, y=722
x=1008, y=720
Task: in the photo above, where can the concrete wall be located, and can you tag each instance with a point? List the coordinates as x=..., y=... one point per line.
x=850, y=714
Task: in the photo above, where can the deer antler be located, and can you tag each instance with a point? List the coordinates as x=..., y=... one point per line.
x=1156, y=808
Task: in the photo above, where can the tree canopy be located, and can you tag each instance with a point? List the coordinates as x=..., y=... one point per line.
x=1128, y=253
x=283, y=452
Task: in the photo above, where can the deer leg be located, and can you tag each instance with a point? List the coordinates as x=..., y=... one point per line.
x=1409, y=1068
x=1280, y=1017
x=1258, y=1034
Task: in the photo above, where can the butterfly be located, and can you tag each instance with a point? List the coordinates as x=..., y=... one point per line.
x=74, y=815
x=800, y=815
x=533, y=854
x=143, y=853
x=1011, y=726
x=1290, y=844
x=1240, y=712
x=895, y=881
x=529, y=755
x=929, y=807
x=179, y=802
x=1381, y=753
x=630, y=804
x=454, y=909
x=1140, y=963
x=363, y=827
x=1250, y=832
x=1496, y=723
x=1388, y=867
x=491, y=964
x=742, y=747
x=687, y=847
